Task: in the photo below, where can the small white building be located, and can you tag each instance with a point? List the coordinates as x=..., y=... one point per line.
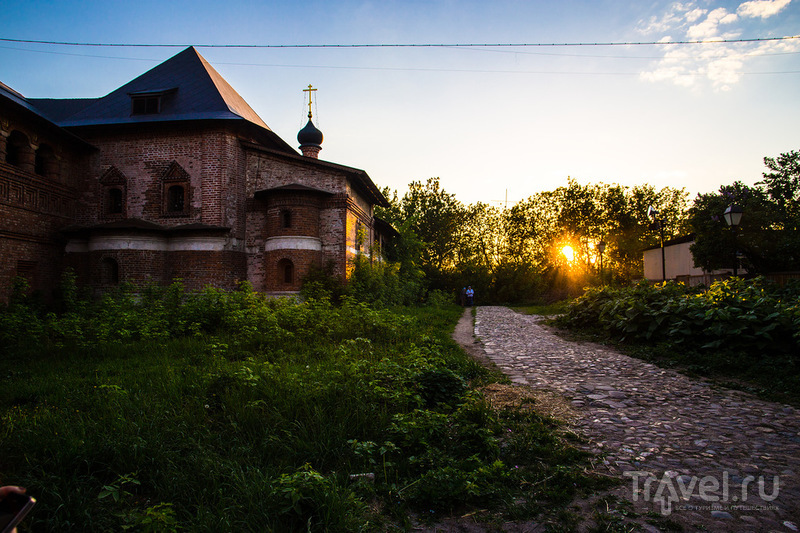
x=680, y=264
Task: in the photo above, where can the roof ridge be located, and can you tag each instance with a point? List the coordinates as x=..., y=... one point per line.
x=232, y=99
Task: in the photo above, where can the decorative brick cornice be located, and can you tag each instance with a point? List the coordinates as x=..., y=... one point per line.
x=26, y=191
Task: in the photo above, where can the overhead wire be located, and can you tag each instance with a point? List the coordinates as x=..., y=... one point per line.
x=486, y=47
x=408, y=45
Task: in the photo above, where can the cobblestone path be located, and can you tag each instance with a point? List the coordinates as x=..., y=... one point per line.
x=709, y=458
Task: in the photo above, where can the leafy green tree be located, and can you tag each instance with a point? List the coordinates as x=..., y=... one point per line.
x=437, y=219
x=514, y=254
x=783, y=188
x=628, y=230
x=584, y=215
x=767, y=239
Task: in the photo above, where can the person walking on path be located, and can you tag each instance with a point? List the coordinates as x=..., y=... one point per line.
x=470, y=295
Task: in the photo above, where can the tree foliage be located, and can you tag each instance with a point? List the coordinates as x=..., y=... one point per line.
x=767, y=239
x=514, y=254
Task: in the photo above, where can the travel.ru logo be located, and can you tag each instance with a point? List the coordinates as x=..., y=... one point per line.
x=673, y=487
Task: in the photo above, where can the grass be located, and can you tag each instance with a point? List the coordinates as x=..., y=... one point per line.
x=233, y=413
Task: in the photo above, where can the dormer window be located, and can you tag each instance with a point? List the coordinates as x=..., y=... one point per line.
x=149, y=102
x=146, y=105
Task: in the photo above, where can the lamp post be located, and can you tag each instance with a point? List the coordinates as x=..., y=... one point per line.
x=658, y=223
x=733, y=216
x=601, y=247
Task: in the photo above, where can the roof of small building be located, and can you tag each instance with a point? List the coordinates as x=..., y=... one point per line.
x=385, y=227
x=672, y=242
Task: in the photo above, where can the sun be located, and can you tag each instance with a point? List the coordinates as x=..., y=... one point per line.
x=568, y=252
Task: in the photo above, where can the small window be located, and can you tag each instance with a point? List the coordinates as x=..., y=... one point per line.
x=286, y=271
x=109, y=271
x=115, y=201
x=175, y=199
x=16, y=144
x=286, y=219
x=39, y=161
x=26, y=269
x=146, y=105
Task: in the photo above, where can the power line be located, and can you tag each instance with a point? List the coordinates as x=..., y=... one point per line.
x=383, y=68
x=409, y=45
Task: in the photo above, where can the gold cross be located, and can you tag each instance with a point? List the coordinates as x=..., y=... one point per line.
x=309, y=91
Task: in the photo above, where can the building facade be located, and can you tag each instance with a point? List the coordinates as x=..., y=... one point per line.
x=172, y=175
x=678, y=264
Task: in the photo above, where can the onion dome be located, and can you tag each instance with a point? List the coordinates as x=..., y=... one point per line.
x=309, y=135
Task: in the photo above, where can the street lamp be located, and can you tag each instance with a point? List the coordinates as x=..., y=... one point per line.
x=733, y=216
x=658, y=223
x=601, y=247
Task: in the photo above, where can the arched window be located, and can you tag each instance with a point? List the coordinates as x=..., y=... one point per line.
x=44, y=160
x=114, y=201
x=16, y=148
x=176, y=192
x=286, y=271
x=175, y=199
x=109, y=271
x=286, y=218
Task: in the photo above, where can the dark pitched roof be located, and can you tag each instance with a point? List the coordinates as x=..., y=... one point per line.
x=23, y=102
x=8, y=94
x=385, y=227
x=58, y=109
x=190, y=88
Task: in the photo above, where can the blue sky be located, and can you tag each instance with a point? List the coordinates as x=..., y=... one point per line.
x=487, y=121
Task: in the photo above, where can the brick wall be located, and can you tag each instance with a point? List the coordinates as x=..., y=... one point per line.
x=37, y=199
x=301, y=261
x=209, y=157
x=220, y=178
x=145, y=161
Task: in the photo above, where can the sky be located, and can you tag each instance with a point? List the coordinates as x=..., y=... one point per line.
x=496, y=124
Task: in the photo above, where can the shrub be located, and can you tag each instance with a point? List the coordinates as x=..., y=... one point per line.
x=732, y=315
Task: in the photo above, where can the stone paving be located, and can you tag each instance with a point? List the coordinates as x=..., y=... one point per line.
x=709, y=458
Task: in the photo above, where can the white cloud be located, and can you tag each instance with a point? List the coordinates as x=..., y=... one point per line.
x=720, y=66
x=709, y=28
x=761, y=8
x=695, y=14
x=677, y=16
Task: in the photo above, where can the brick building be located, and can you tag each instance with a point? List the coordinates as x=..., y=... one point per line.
x=172, y=175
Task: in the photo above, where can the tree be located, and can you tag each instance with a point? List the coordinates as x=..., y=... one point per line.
x=783, y=187
x=767, y=239
x=437, y=218
x=514, y=254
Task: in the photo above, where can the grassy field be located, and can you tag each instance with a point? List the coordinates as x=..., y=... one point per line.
x=163, y=411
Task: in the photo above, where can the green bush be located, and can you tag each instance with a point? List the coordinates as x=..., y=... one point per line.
x=753, y=315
